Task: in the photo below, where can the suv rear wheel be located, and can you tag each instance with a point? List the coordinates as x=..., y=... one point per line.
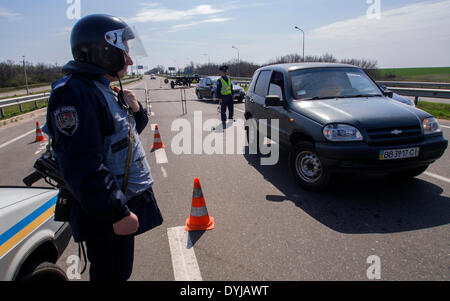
x=307, y=167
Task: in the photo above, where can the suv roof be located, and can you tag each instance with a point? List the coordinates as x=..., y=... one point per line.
x=298, y=66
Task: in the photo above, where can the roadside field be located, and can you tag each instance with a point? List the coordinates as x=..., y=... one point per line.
x=438, y=110
x=438, y=74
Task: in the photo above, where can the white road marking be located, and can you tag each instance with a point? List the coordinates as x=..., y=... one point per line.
x=161, y=157
x=444, y=126
x=152, y=113
x=17, y=138
x=239, y=110
x=164, y=172
x=438, y=177
x=184, y=262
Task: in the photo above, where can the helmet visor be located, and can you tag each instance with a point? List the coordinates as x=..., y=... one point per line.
x=126, y=39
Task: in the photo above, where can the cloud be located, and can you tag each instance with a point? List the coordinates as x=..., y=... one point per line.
x=404, y=22
x=413, y=33
x=154, y=12
x=9, y=15
x=180, y=27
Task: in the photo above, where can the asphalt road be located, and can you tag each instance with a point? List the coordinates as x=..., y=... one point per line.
x=267, y=227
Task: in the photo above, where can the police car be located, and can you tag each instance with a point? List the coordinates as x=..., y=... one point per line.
x=31, y=242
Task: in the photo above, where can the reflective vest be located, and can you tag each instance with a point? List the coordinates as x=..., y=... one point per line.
x=116, y=149
x=226, y=87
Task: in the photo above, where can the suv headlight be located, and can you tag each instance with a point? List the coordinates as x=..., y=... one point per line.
x=342, y=133
x=431, y=126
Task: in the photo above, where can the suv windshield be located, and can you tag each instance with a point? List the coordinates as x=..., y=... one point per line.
x=323, y=83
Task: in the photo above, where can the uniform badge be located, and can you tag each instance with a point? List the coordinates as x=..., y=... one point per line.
x=66, y=120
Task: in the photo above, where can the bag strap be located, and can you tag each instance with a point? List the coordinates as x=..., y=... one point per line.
x=130, y=153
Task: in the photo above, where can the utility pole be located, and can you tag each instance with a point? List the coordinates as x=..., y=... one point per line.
x=296, y=27
x=25, y=71
x=239, y=61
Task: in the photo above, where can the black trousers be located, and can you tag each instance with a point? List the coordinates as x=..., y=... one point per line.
x=111, y=257
x=227, y=102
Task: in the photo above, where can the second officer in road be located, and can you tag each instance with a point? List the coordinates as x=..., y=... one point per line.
x=225, y=95
x=95, y=132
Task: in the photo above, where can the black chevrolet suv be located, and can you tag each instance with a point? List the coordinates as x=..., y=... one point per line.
x=335, y=118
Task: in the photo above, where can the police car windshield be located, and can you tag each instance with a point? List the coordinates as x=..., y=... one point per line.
x=326, y=83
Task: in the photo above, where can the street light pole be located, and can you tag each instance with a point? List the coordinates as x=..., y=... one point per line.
x=296, y=27
x=239, y=61
x=26, y=78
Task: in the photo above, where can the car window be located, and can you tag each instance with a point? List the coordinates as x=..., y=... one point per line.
x=251, y=88
x=262, y=84
x=332, y=82
x=276, y=86
x=208, y=81
x=275, y=90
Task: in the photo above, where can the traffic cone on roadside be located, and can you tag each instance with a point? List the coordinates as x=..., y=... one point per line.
x=199, y=219
x=157, y=144
x=39, y=134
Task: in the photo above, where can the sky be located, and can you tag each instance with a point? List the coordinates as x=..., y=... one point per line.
x=395, y=33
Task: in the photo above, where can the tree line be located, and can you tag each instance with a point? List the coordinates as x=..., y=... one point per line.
x=246, y=69
x=13, y=75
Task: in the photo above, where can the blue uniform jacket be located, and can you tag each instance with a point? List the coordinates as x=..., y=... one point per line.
x=78, y=119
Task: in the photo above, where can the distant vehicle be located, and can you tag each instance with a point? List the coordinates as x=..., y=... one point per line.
x=334, y=118
x=152, y=76
x=31, y=242
x=181, y=80
x=206, y=88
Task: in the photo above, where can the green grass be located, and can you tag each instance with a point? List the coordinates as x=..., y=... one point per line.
x=438, y=74
x=438, y=110
x=26, y=107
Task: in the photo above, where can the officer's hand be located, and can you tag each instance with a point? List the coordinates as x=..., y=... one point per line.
x=130, y=99
x=127, y=226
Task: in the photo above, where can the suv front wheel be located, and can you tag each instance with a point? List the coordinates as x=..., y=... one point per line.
x=307, y=167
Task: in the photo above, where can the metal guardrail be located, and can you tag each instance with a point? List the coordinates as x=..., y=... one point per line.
x=413, y=89
x=19, y=101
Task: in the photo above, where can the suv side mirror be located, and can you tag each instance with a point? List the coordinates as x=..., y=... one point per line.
x=388, y=93
x=273, y=101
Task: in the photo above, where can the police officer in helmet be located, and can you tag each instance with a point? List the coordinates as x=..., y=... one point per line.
x=225, y=95
x=95, y=131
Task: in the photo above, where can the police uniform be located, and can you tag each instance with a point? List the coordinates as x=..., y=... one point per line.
x=225, y=93
x=90, y=139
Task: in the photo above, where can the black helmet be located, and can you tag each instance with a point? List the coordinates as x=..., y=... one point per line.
x=224, y=68
x=99, y=40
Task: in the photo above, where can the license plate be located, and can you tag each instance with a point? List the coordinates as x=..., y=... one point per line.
x=396, y=154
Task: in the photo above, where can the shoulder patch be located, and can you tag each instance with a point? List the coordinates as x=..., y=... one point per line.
x=62, y=82
x=66, y=120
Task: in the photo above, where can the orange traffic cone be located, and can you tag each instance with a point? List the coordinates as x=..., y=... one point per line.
x=157, y=143
x=39, y=135
x=199, y=220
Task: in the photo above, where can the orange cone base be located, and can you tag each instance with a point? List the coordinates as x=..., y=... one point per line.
x=208, y=227
x=40, y=138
